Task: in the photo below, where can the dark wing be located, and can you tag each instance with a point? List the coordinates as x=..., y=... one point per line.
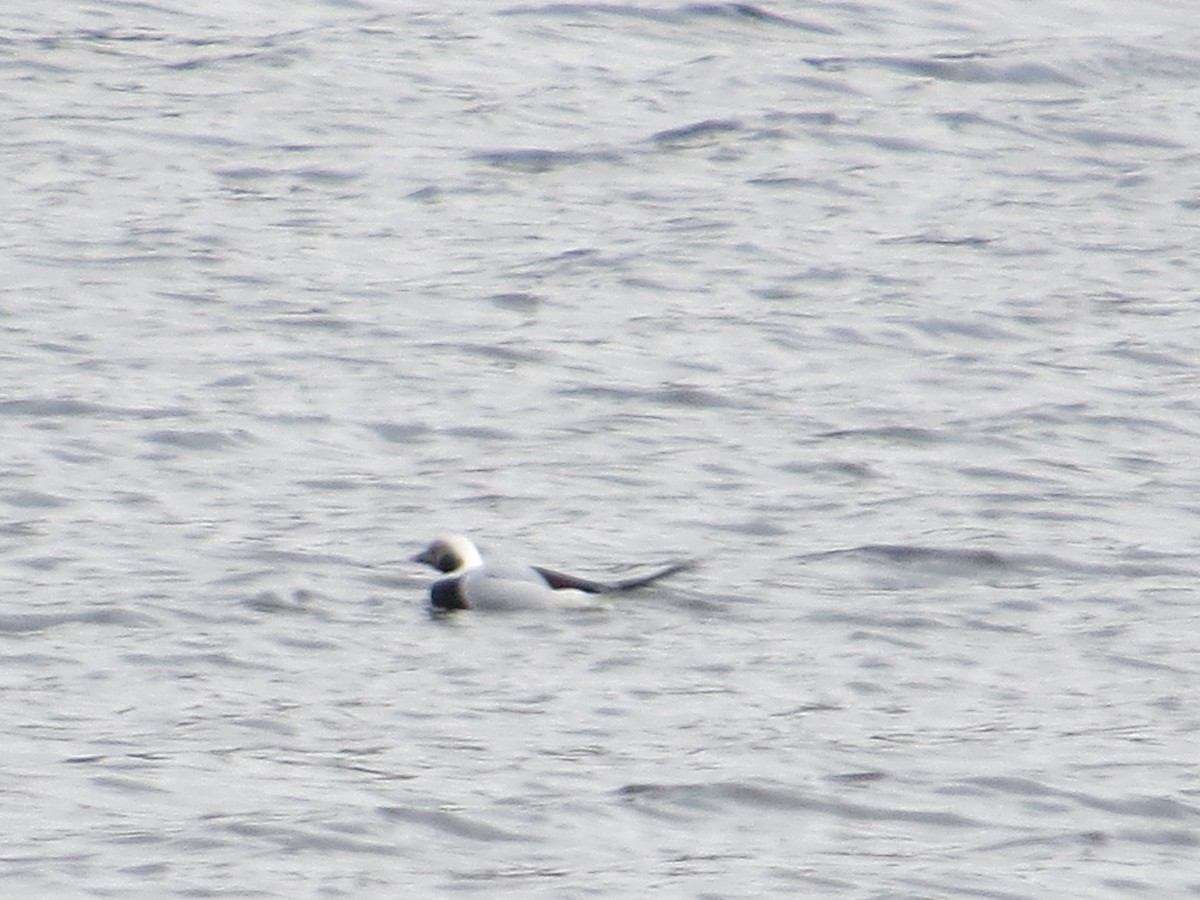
x=558, y=580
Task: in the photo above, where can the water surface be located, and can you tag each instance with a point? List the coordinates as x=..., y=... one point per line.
x=886, y=313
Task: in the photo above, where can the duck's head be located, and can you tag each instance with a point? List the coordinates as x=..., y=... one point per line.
x=450, y=554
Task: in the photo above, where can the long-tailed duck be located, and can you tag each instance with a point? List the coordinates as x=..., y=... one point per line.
x=471, y=583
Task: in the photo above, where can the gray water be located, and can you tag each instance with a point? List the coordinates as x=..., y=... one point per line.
x=887, y=313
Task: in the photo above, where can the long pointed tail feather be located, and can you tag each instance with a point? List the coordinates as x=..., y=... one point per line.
x=630, y=584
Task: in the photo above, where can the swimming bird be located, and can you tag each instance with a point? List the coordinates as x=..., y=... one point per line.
x=471, y=583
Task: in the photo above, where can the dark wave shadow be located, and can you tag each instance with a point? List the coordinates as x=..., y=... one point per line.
x=702, y=799
x=688, y=13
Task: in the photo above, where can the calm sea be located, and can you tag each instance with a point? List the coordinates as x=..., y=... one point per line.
x=888, y=313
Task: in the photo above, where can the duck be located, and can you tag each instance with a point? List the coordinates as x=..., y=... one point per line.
x=471, y=583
